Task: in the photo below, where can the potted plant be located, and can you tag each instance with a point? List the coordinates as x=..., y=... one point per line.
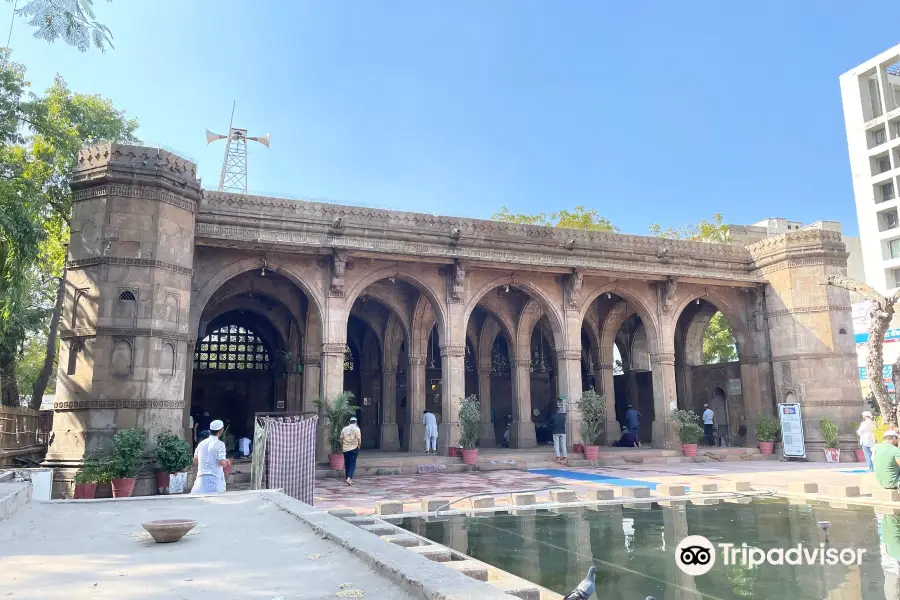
x=767, y=428
x=86, y=480
x=469, y=428
x=860, y=455
x=830, y=437
x=592, y=408
x=125, y=460
x=173, y=458
x=337, y=414
x=689, y=431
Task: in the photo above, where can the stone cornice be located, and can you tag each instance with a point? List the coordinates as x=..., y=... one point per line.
x=118, y=403
x=135, y=165
x=131, y=262
x=129, y=191
x=510, y=252
x=803, y=245
x=80, y=332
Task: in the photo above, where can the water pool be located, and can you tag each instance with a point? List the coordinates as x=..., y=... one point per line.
x=633, y=549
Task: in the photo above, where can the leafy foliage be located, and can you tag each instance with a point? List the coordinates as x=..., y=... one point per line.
x=578, y=218
x=829, y=433
x=93, y=471
x=173, y=453
x=469, y=422
x=127, y=456
x=337, y=414
x=690, y=433
x=718, y=341
x=592, y=407
x=704, y=231
x=767, y=428
x=72, y=21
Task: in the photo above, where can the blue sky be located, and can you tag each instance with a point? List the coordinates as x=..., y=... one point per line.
x=647, y=111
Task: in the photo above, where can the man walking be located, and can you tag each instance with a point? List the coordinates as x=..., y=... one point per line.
x=558, y=428
x=708, y=418
x=431, y=432
x=633, y=420
x=351, y=442
x=887, y=461
x=209, y=459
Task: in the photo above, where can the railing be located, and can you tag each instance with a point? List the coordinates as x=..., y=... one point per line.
x=21, y=428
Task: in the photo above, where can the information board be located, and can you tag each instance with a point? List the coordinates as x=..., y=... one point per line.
x=793, y=444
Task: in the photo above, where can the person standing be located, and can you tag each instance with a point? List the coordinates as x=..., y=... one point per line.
x=633, y=420
x=351, y=442
x=709, y=418
x=558, y=429
x=202, y=424
x=887, y=461
x=431, y=431
x=210, y=460
x=866, y=433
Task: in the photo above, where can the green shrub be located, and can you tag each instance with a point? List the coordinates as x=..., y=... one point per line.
x=127, y=456
x=337, y=414
x=767, y=428
x=91, y=472
x=173, y=453
x=829, y=433
x=592, y=408
x=469, y=422
x=690, y=433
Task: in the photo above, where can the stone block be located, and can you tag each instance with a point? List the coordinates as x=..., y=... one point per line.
x=388, y=507
x=636, y=492
x=705, y=501
x=843, y=491
x=432, y=504
x=882, y=495
x=803, y=487
x=705, y=487
x=563, y=496
x=671, y=489
x=432, y=552
x=737, y=486
x=519, y=588
x=380, y=529
x=343, y=513
x=407, y=541
x=604, y=494
x=526, y=499
x=483, y=502
x=471, y=568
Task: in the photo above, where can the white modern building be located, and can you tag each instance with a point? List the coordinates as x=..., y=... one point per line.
x=871, y=97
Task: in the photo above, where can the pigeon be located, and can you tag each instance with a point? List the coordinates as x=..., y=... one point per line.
x=585, y=589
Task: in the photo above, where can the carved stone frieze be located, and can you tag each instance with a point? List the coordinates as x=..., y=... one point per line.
x=129, y=191
x=80, y=332
x=574, y=283
x=416, y=359
x=457, y=281
x=332, y=349
x=118, y=403
x=453, y=350
x=132, y=262
x=666, y=291
x=338, y=267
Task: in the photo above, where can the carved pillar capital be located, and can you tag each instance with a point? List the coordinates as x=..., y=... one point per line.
x=665, y=358
x=453, y=350
x=416, y=359
x=332, y=349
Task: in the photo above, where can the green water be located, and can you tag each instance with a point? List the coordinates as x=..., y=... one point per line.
x=633, y=549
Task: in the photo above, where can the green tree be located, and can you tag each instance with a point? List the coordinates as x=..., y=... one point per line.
x=578, y=218
x=71, y=21
x=704, y=231
x=718, y=341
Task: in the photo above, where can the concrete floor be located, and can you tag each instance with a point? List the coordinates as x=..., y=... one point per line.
x=244, y=547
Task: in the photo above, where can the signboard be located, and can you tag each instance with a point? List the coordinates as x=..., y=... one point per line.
x=891, y=336
x=793, y=444
x=734, y=387
x=861, y=319
x=886, y=375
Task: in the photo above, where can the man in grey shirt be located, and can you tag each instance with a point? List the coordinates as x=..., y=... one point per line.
x=558, y=428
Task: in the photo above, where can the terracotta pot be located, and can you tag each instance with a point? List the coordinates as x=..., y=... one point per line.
x=689, y=449
x=336, y=462
x=454, y=451
x=578, y=448
x=85, y=491
x=123, y=488
x=832, y=455
x=590, y=452
x=227, y=468
x=470, y=456
x=860, y=455
x=766, y=447
x=162, y=482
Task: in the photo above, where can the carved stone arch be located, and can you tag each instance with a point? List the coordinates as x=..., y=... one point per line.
x=500, y=311
x=529, y=318
x=636, y=305
x=370, y=359
x=639, y=353
x=397, y=311
x=256, y=307
x=472, y=336
x=393, y=338
x=694, y=333
x=432, y=290
x=550, y=306
x=486, y=343
x=609, y=331
x=591, y=326
x=422, y=324
x=289, y=301
x=373, y=325
x=739, y=327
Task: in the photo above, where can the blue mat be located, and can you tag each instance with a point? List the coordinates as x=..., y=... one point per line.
x=854, y=471
x=605, y=479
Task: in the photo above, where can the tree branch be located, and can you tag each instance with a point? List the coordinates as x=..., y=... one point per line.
x=852, y=285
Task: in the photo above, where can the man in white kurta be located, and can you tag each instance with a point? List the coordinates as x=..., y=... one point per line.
x=431, y=432
x=209, y=458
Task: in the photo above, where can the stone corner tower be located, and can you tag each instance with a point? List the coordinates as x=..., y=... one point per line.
x=124, y=328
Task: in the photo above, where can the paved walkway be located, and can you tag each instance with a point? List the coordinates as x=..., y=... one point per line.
x=411, y=489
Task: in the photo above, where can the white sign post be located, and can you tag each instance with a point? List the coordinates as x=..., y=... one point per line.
x=792, y=442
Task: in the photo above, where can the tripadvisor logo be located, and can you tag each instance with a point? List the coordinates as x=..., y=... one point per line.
x=696, y=555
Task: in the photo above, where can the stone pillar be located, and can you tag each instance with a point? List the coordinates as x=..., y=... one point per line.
x=188, y=432
x=416, y=402
x=607, y=389
x=662, y=365
x=453, y=390
x=488, y=435
x=390, y=436
x=129, y=276
x=753, y=402
x=569, y=383
x=521, y=432
x=312, y=376
x=332, y=384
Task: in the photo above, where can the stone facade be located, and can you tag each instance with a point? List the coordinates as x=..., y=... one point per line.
x=411, y=310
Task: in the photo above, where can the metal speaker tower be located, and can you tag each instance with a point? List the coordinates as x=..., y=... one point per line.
x=234, y=167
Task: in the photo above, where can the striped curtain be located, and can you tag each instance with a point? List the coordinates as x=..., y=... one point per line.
x=291, y=457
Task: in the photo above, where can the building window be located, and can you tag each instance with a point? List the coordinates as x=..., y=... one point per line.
x=896, y=275
x=890, y=220
x=878, y=137
x=74, y=349
x=126, y=304
x=884, y=164
x=887, y=191
x=232, y=348
x=894, y=247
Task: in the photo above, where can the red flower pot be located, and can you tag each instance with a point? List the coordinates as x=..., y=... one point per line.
x=227, y=468
x=85, y=491
x=162, y=482
x=689, y=449
x=832, y=455
x=860, y=455
x=590, y=452
x=766, y=447
x=470, y=456
x=336, y=462
x=123, y=488
x=578, y=448
x=454, y=451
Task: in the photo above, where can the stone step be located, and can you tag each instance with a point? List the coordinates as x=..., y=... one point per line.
x=472, y=568
x=518, y=588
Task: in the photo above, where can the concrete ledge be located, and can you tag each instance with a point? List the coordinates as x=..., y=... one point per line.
x=803, y=487
x=13, y=496
x=380, y=529
x=671, y=489
x=483, y=502
x=419, y=575
x=360, y=521
x=402, y=539
x=842, y=491
x=604, y=494
x=342, y=513
x=563, y=496
x=388, y=507
x=432, y=552
x=470, y=568
x=737, y=486
x=432, y=504
x=524, y=499
x=636, y=492
x=883, y=495
x=705, y=487
x=518, y=588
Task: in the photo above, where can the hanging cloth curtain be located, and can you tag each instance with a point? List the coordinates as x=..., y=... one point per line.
x=258, y=461
x=291, y=460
